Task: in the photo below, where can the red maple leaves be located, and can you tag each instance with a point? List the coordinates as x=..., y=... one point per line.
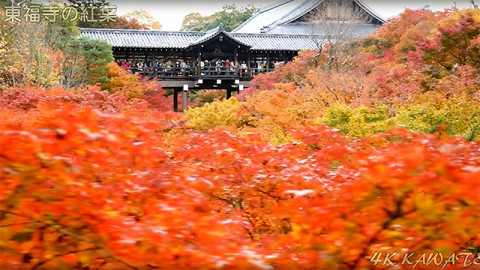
x=82, y=188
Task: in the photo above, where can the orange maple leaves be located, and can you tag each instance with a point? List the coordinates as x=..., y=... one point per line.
x=82, y=188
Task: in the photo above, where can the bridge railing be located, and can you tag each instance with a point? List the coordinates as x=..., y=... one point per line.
x=179, y=72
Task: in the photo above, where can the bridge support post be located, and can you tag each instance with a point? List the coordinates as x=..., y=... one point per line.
x=185, y=97
x=229, y=93
x=175, y=100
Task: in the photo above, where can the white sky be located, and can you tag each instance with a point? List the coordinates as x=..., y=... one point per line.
x=171, y=13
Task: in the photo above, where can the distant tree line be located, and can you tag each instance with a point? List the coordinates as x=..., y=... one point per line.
x=231, y=16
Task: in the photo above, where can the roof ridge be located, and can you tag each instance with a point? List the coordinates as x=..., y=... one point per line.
x=218, y=30
x=273, y=35
x=140, y=31
x=285, y=19
x=274, y=5
x=262, y=10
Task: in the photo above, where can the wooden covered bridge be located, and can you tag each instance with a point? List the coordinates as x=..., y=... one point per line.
x=218, y=59
x=200, y=60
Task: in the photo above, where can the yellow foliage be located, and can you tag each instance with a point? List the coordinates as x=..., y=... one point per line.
x=358, y=122
x=426, y=112
x=26, y=56
x=274, y=112
x=215, y=114
x=459, y=114
x=123, y=81
x=207, y=96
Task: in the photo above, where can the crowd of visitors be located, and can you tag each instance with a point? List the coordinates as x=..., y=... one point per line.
x=207, y=67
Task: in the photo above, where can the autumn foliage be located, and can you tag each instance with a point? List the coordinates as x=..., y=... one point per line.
x=418, y=67
x=110, y=179
x=84, y=188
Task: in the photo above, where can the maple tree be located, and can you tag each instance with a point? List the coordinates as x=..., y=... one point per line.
x=456, y=41
x=394, y=68
x=29, y=99
x=137, y=19
x=82, y=189
x=48, y=53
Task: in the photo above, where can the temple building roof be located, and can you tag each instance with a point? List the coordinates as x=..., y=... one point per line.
x=285, y=12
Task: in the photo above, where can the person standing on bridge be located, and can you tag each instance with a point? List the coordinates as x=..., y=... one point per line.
x=243, y=69
x=207, y=67
x=183, y=68
x=218, y=66
x=202, y=67
x=227, y=66
x=233, y=68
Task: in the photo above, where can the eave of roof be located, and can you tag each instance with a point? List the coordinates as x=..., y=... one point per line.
x=370, y=11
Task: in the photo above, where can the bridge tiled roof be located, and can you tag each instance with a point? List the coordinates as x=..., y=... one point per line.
x=142, y=38
x=183, y=40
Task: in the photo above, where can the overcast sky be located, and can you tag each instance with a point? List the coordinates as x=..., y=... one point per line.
x=171, y=13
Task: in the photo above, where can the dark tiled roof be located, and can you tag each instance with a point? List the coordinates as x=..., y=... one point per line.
x=184, y=40
x=143, y=38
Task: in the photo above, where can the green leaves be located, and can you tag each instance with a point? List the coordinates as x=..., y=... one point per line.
x=86, y=62
x=231, y=16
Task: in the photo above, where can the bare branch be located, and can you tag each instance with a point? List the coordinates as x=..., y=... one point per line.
x=334, y=22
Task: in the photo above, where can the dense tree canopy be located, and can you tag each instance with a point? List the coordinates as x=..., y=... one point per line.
x=230, y=16
x=137, y=19
x=86, y=62
x=49, y=53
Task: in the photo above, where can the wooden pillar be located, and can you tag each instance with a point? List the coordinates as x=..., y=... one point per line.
x=185, y=97
x=249, y=67
x=199, y=60
x=229, y=93
x=268, y=63
x=184, y=59
x=134, y=64
x=175, y=100
x=236, y=61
